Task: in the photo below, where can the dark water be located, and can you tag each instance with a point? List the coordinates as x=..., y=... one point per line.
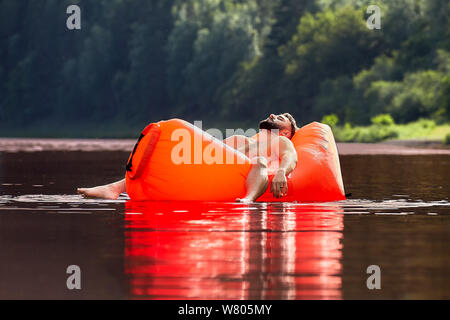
x=398, y=218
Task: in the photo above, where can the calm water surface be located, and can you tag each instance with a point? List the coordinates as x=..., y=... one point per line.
x=398, y=218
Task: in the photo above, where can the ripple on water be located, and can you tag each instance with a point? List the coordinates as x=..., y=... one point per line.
x=58, y=198
x=58, y=204
x=76, y=203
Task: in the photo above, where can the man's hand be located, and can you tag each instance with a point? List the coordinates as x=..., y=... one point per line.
x=279, y=183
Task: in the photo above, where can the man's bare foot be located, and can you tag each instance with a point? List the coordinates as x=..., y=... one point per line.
x=103, y=192
x=244, y=200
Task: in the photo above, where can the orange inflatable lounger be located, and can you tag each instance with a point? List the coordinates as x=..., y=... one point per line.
x=174, y=160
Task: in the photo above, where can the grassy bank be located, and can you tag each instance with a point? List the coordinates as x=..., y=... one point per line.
x=384, y=128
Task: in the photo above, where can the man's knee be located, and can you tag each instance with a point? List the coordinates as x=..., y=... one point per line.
x=261, y=166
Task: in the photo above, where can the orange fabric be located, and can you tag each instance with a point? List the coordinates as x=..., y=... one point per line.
x=154, y=175
x=317, y=176
x=150, y=136
x=162, y=179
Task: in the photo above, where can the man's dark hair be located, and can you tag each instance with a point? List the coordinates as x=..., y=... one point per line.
x=293, y=123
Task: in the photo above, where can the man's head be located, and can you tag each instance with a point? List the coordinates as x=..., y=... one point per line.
x=284, y=123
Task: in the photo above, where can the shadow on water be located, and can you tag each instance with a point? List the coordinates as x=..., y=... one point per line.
x=398, y=219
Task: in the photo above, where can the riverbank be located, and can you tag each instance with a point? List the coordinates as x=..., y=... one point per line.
x=383, y=128
x=396, y=147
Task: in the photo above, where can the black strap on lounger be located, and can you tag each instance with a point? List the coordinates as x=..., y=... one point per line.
x=130, y=162
x=347, y=195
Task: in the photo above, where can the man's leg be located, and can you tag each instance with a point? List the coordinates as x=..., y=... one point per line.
x=257, y=180
x=109, y=191
x=238, y=142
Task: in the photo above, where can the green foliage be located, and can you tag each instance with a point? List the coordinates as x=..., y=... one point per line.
x=330, y=44
x=383, y=120
x=136, y=61
x=447, y=139
x=418, y=94
x=331, y=120
x=426, y=123
x=216, y=48
x=373, y=133
x=384, y=128
x=337, y=96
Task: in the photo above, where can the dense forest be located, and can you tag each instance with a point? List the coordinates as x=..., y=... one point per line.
x=222, y=61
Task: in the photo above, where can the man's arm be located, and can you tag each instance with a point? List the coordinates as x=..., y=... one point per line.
x=288, y=161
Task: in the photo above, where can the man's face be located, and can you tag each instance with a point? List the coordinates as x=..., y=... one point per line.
x=279, y=122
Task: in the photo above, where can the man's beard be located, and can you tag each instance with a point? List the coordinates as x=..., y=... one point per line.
x=268, y=124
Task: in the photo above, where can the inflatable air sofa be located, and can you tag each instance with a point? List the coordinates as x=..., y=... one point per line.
x=174, y=160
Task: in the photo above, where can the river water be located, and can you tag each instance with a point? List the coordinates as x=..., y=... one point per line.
x=398, y=218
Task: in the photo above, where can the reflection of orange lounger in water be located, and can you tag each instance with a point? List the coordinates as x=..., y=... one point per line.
x=174, y=160
x=192, y=250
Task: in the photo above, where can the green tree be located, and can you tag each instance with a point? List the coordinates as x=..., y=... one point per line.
x=327, y=45
x=205, y=56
